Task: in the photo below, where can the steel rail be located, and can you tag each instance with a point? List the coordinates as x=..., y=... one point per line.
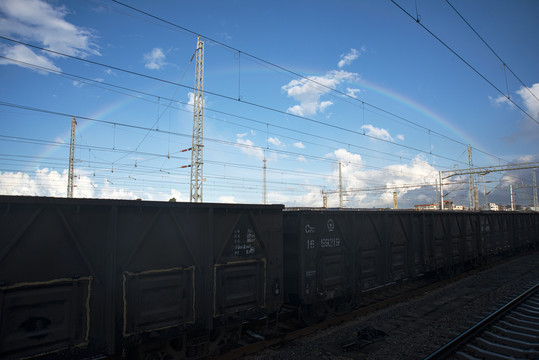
x=467, y=335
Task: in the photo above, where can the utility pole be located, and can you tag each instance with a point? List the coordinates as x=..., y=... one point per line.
x=441, y=192
x=471, y=184
x=265, y=196
x=198, y=118
x=534, y=192
x=340, y=187
x=395, y=204
x=70, y=175
x=485, y=193
x=512, y=198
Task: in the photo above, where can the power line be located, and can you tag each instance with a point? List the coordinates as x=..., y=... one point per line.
x=464, y=61
x=99, y=84
x=276, y=66
x=260, y=106
x=492, y=50
x=272, y=169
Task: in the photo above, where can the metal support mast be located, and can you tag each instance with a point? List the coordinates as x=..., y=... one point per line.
x=341, y=203
x=70, y=175
x=471, y=180
x=198, y=117
x=265, y=194
x=512, y=198
x=441, y=192
x=534, y=192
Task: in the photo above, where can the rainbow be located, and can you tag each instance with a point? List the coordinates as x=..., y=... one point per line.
x=421, y=109
x=102, y=113
x=113, y=107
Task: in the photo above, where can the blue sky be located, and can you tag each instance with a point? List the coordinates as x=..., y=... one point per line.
x=303, y=84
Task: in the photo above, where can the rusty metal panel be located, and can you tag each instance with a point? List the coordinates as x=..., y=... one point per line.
x=44, y=317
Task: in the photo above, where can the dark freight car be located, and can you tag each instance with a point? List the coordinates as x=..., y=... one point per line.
x=332, y=256
x=81, y=277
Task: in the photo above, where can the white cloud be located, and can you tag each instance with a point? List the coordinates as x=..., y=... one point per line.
x=25, y=55
x=275, y=141
x=530, y=101
x=299, y=145
x=308, y=91
x=324, y=105
x=345, y=156
x=248, y=147
x=191, y=101
x=47, y=182
x=301, y=158
x=527, y=129
x=112, y=192
x=154, y=59
x=357, y=178
x=228, y=199
x=347, y=59
x=400, y=137
x=44, y=182
x=502, y=99
x=378, y=133
x=40, y=22
x=352, y=92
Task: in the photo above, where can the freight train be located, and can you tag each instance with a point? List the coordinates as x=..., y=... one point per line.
x=89, y=278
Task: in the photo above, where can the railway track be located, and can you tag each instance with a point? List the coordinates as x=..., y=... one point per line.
x=511, y=332
x=372, y=300
x=291, y=329
x=410, y=326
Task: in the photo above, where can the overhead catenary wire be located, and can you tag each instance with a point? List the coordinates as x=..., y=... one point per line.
x=264, y=107
x=466, y=62
x=294, y=73
x=100, y=84
x=154, y=155
x=229, y=164
x=505, y=66
x=369, y=149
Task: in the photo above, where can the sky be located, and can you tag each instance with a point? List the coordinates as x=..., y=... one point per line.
x=373, y=97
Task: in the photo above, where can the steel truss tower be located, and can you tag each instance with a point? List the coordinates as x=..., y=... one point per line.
x=482, y=171
x=70, y=175
x=198, y=117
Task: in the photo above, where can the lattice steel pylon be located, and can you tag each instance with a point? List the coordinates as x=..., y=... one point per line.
x=198, y=121
x=70, y=175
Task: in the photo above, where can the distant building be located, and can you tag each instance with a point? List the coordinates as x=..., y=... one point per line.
x=493, y=207
x=426, y=207
x=448, y=205
x=458, y=207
